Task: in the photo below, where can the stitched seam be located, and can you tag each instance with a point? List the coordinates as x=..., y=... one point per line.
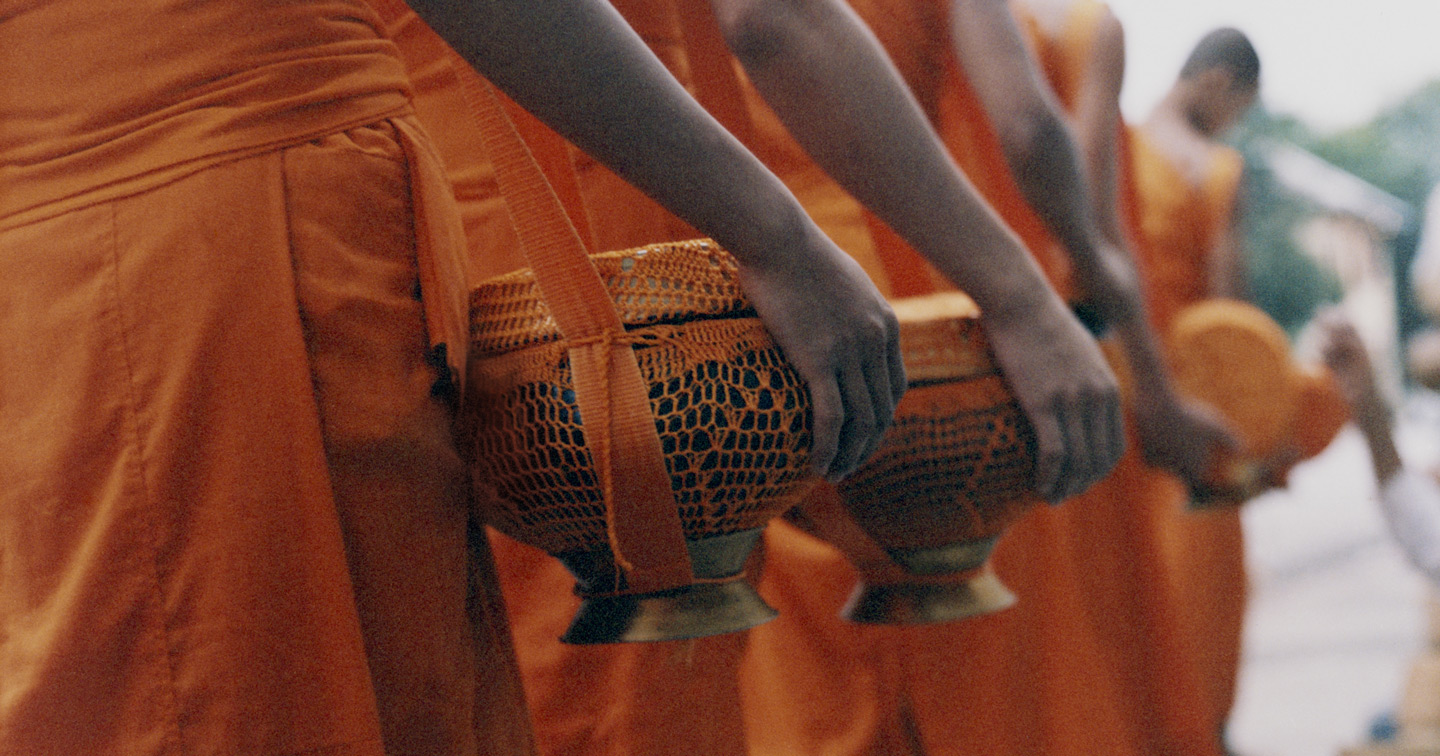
x=142, y=479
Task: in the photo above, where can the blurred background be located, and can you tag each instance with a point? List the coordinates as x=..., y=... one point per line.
x=1342, y=153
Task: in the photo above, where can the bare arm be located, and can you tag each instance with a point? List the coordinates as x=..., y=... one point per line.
x=1175, y=434
x=1038, y=145
x=1346, y=356
x=828, y=79
x=579, y=67
x=1228, y=276
x=1097, y=124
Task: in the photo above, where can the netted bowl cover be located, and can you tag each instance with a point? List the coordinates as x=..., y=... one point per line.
x=732, y=415
x=1232, y=356
x=958, y=464
x=1321, y=410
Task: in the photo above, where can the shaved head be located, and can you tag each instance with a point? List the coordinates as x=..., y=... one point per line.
x=1228, y=48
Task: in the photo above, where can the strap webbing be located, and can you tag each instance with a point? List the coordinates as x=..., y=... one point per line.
x=643, y=521
x=646, y=534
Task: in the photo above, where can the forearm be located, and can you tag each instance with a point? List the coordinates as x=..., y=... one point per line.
x=580, y=68
x=1041, y=150
x=1372, y=415
x=832, y=85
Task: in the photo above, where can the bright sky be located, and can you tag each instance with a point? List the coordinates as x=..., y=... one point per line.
x=1333, y=63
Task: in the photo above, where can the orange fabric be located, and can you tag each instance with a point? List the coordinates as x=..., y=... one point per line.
x=1180, y=221
x=1031, y=679
x=812, y=683
x=652, y=698
x=1116, y=535
x=116, y=107
x=643, y=527
x=251, y=534
x=915, y=34
x=1090, y=658
x=233, y=517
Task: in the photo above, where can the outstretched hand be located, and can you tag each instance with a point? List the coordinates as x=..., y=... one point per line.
x=1061, y=381
x=1344, y=353
x=838, y=331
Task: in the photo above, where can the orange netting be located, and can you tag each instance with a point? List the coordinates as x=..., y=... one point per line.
x=958, y=464
x=1232, y=356
x=1321, y=411
x=660, y=283
x=732, y=415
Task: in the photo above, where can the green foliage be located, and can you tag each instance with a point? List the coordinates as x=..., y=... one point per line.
x=1395, y=151
x=1284, y=281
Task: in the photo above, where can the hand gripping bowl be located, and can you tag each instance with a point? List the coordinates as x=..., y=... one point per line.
x=731, y=415
x=1235, y=358
x=627, y=412
x=922, y=515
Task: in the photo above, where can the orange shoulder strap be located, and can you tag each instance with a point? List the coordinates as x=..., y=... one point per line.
x=646, y=534
x=643, y=521
x=717, y=84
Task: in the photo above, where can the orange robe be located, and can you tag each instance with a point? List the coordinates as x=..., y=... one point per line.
x=232, y=519
x=1179, y=222
x=647, y=698
x=985, y=685
x=1120, y=524
x=1092, y=658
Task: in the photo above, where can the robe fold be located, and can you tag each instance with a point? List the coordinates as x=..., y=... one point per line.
x=615, y=700
x=1180, y=220
x=232, y=516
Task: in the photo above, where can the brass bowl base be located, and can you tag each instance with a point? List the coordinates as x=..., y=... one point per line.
x=610, y=614
x=921, y=603
x=693, y=612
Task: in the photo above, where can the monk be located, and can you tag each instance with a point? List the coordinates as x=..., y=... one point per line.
x=1187, y=185
x=979, y=686
x=1120, y=525
x=675, y=697
x=233, y=517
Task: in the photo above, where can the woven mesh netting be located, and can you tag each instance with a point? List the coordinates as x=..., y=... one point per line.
x=1233, y=357
x=958, y=463
x=663, y=283
x=957, y=466
x=1321, y=410
x=732, y=415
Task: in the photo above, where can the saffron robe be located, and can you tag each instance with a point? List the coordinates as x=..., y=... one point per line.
x=984, y=685
x=646, y=698
x=232, y=518
x=1093, y=658
x=657, y=698
x=1180, y=221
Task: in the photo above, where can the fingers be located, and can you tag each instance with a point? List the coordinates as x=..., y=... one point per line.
x=896, y=359
x=1050, y=457
x=1077, y=443
x=1107, y=436
x=858, y=432
x=1081, y=423
x=864, y=393
x=1078, y=454
x=887, y=385
x=1118, y=439
x=828, y=416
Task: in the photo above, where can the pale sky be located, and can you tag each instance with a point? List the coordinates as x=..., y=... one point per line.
x=1334, y=63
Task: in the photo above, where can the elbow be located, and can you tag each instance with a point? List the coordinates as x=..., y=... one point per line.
x=765, y=32
x=1032, y=136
